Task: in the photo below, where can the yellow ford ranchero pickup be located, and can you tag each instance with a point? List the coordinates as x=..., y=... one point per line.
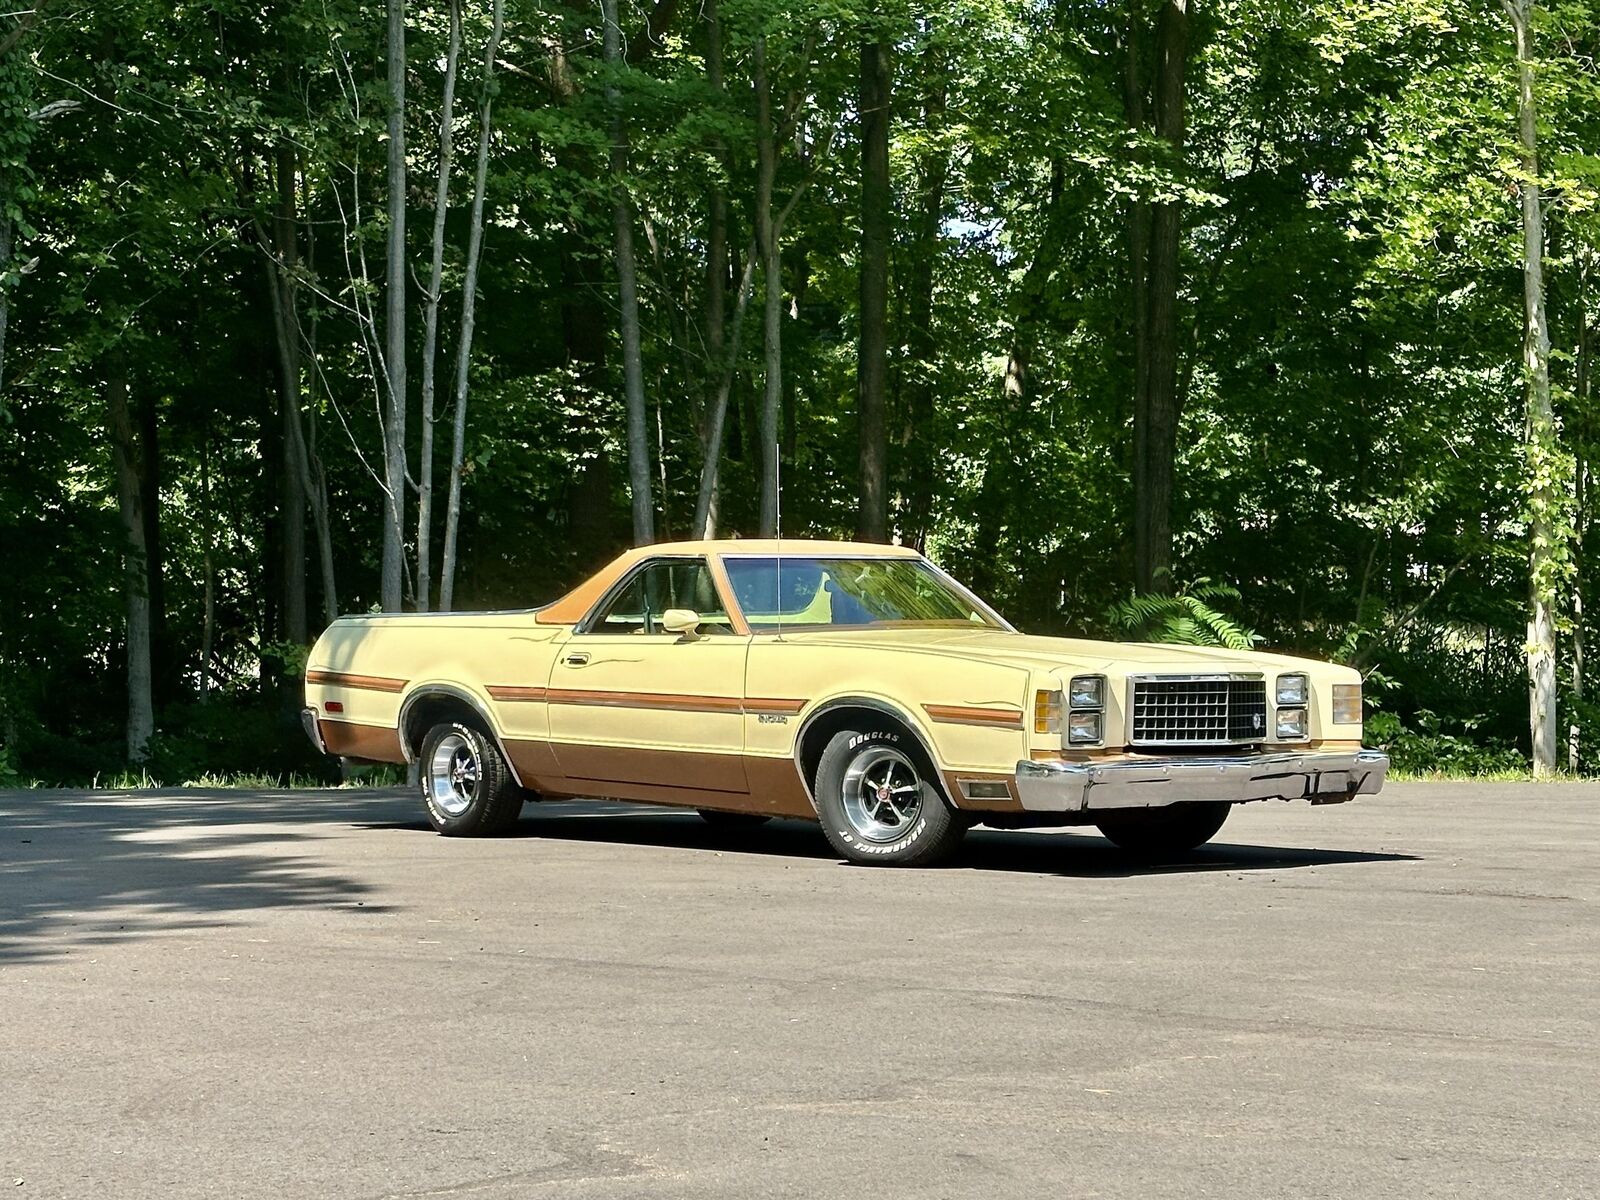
x=856, y=685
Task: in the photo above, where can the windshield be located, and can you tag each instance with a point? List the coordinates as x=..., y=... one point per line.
x=818, y=593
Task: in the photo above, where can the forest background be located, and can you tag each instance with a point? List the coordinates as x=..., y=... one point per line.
x=1238, y=322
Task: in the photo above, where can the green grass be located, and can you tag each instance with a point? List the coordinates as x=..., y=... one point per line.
x=393, y=776
x=140, y=780
x=1496, y=776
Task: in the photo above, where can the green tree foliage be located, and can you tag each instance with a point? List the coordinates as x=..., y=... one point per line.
x=1350, y=477
x=1188, y=618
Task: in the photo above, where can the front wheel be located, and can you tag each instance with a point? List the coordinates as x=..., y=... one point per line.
x=1165, y=832
x=466, y=785
x=879, y=804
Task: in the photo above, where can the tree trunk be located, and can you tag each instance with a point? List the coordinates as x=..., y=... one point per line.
x=711, y=418
x=281, y=283
x=165, y=670
x=1544, y=452
x=469, y=308
x=130, y=506
x=717, y=410
x=591, y=508
x=208, y=534
x=1157, y=400
x=1580, y=407
x=715, y=405
x=922, y=348
x=1574, y=731
x=6, y=234
x=628, y=288
x=872, y=348
x=1031, y=290
x=772, y=310
x=394, y=428
x=295, y=469
x=317, y=476
x=266, y=586
x=1138, y=278
x=319, y=512
x=430, y=314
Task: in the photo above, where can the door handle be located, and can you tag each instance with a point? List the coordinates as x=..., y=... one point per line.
x=577, y=658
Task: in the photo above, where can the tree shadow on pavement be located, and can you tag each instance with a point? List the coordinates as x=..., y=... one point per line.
x=91, y=868
x=1078, y=853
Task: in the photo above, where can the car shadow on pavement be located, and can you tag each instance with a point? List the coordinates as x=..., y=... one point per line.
x=1078, y=853
x=1084, y=854
x=81, y=869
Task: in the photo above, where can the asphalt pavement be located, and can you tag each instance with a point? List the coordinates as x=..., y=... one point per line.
x=309, y=994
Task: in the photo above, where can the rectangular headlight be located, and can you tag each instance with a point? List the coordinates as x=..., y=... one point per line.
x=1293, y=690
x=1291, y=724
x=1047, y=712
x=1087, y=691
x=1083, y=728
x=1347, y=704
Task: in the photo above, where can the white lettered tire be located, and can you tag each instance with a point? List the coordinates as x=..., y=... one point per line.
x=466, y=785
x=880, y=803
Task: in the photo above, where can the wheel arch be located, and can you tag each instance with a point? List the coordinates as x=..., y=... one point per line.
x=855, y=712
x=427, y=703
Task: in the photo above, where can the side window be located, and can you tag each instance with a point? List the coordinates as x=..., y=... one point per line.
x=672, y=583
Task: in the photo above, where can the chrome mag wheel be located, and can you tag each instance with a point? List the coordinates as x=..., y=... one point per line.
x=882, y=794
x=453, y=773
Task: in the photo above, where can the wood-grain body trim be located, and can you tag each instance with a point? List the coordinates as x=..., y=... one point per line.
x=670, y=701
x=963, y=714
x=773, y=705
x=365, y=683
x=511, y=694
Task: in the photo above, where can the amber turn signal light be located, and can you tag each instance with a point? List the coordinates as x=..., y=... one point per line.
x=1047, y=712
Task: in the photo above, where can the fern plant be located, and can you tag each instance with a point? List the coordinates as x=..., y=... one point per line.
x=1191, y=617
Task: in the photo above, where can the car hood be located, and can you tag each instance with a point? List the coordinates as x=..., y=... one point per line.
x=1059, y=653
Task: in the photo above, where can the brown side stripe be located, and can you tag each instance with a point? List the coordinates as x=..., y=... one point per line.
x=516, y=693
x=673, y=701
x=669, y=701
x=366, y=683
x=960, y=714
x=786, y=708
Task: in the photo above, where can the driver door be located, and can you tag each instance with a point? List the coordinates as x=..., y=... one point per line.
x=631, y=703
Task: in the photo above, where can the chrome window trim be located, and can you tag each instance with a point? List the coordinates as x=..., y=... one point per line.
x=586, y=628
x=939, y=573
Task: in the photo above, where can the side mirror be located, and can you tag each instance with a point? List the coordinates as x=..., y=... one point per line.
x=683, y=621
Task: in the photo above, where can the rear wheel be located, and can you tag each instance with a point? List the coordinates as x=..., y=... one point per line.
x=466, y=785
x=1165, y=832
x=879, y=804
x=732, y=820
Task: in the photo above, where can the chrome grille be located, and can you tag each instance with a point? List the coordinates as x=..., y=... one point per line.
x=1188, y=710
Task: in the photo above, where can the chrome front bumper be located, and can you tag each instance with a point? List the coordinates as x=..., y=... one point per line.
x=1323, y=777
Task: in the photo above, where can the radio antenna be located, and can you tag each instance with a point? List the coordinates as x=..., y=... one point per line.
x=777, y=509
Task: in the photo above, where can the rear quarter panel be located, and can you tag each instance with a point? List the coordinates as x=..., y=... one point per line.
x=372, y=666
